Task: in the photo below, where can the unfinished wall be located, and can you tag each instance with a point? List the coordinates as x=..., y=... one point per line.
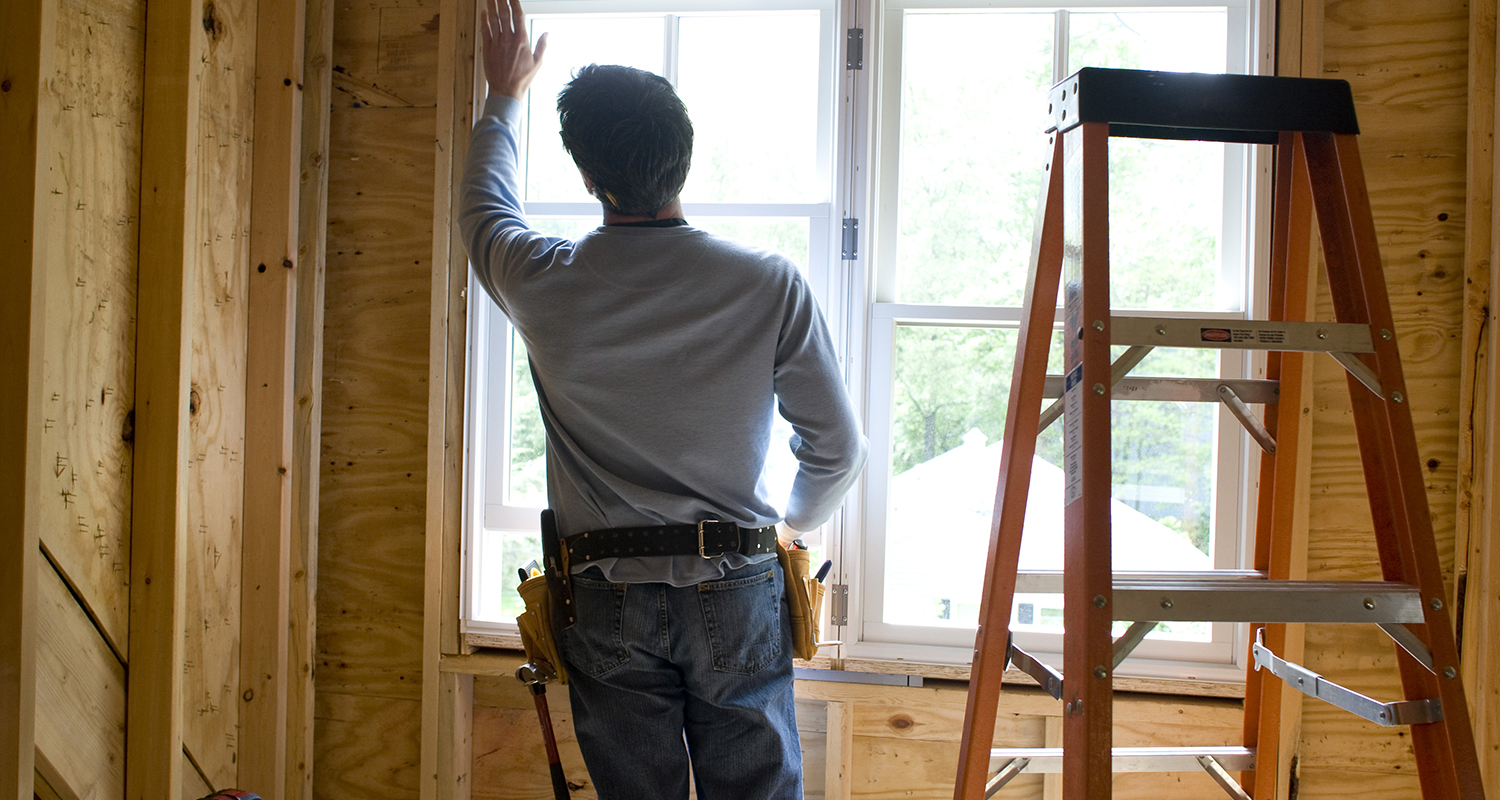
x=368, y=660
x=1406, y=63
x=94, y=107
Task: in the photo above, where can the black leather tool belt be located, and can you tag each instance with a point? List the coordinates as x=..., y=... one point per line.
x=708, y=538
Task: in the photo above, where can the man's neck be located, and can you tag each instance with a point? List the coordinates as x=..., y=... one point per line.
x=672, y=210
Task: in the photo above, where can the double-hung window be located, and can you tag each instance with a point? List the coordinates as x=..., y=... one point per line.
x=757, y=78
x=960, y=98
x=894, y=150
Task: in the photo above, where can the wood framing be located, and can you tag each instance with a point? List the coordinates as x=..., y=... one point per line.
x=26, y=35
x=168, y=218
x=447, y=699
x=1477, y=587
x=269, y=362
x=307, y=378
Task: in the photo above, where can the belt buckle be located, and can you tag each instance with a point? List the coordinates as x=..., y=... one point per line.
x=703, y=550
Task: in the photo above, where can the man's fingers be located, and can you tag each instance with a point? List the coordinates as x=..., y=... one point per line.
x=517, y=18
x=541, y=47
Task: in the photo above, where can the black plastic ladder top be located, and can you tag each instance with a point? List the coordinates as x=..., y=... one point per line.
x=1251, y=109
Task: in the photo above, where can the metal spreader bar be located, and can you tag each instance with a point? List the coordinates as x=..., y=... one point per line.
x=1217, y=761
x=1304, y=680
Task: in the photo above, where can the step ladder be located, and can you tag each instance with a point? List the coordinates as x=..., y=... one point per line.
x=1313, y=126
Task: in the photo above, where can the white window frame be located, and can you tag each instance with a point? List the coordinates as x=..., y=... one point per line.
x=1245, y=235
x=489, y=378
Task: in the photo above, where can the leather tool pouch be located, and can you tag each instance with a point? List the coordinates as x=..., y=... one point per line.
x=537, y=631
x=804, y=598
x=549, y=603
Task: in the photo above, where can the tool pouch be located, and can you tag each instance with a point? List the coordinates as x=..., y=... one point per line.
x=537, y=627
x=804, y=599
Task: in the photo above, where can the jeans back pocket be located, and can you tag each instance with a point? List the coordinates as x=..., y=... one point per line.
x=743, y=619
x=596, y=642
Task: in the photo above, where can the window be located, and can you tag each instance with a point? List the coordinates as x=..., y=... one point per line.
x=959, y=155
x=937, y=145
x=763, y=172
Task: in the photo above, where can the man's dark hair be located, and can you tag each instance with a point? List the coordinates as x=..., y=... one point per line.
x=629, y=133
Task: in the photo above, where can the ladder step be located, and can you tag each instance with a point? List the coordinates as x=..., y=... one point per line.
x=1133, y=759
x=1246, y=596
x=1179, y=390
x=1241, y=334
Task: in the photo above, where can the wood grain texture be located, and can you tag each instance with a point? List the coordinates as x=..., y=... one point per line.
x=1406, y=64
x=308, y=387
x=169, y=243
x=26, y=34
x=269, y=363
x=220, y=317
x=372, y=494
x=93, y=106
x=367, y=746
x=80, y=709
x=388, y=55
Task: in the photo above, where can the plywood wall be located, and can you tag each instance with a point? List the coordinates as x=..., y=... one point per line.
x=368, y=661
x=94, y=107
x=1406, y=62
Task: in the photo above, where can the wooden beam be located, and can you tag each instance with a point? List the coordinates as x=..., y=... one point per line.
x=168, y=228
x=26, y=38
x=446, y=704
x=265, y=591
x=307, y=378
x=1478, y=546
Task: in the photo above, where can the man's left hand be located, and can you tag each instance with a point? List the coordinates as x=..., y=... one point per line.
x=509, y=62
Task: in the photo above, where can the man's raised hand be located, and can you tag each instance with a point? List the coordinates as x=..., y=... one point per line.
x=509, y=63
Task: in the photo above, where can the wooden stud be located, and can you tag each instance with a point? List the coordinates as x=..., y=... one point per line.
x=446, y=707
x=838, y=782
x=1477, y=547
x=168, y=221
x=307, y=377
x=26, y=39
x=269, y=362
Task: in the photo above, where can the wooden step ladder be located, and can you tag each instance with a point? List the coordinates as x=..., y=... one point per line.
x=1313, y=126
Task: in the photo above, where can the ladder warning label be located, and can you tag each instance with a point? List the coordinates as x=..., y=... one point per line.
x=1073, y=435
x=1238, y=335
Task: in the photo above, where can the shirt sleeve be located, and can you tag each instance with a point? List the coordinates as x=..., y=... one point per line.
x=501, y=245
x=810, y=392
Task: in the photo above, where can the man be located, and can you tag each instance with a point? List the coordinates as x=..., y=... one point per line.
x=658, y=352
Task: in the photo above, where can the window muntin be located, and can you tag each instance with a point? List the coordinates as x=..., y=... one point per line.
x=963, y=97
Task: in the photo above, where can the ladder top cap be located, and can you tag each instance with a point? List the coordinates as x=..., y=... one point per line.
x=1200, y=106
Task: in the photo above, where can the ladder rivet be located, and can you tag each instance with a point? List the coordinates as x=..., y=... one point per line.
x=1369, y=603
x=1436, y=603
x=1161, y=330
x=1322, y=334
x=1099, y=601
x=1449, y=672
x=1098, y=324
x=1101, y=672
x=1166, y=603
x=1385, y=333
x=1098, y=388
x=1397, y=396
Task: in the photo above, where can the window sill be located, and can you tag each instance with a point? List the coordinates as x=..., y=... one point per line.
x=496, y=655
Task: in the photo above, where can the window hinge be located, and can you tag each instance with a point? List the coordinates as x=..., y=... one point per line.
x=851, y=239
x=855, y=49
x=838, y=608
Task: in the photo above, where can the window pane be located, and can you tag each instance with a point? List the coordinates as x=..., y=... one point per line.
x=502, y=555
x=750, y=83
x=973, y=109
x=1166, y=197
x=577, y=41
x=951, y=390
x=788, y=237
x=526, y=463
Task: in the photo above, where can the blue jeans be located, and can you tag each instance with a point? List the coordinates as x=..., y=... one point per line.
x=662, y=675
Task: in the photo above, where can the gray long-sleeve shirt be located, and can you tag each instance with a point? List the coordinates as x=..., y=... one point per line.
x=658, y=354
